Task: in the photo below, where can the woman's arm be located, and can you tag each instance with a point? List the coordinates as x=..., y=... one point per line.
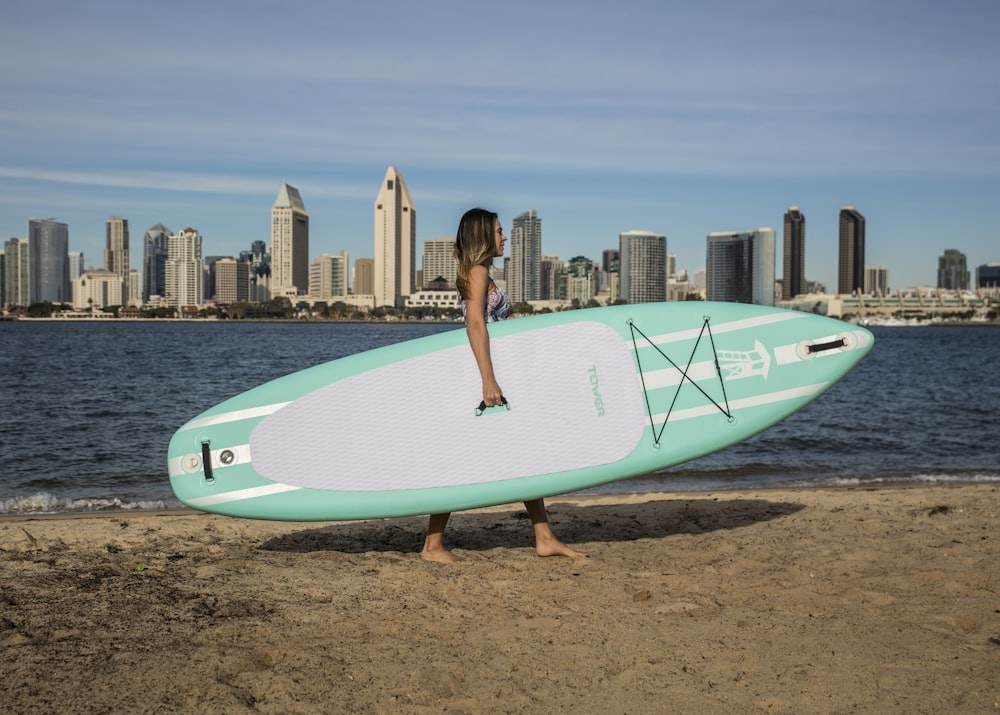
x=479, y=338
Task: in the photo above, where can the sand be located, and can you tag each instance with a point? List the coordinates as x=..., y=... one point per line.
x=834, y=601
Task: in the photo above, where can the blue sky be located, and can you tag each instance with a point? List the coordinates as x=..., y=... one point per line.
x=675, y=117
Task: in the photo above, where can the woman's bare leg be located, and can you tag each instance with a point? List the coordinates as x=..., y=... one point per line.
x=546, y=543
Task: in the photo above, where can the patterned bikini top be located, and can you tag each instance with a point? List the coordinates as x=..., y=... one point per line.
x=498, y=305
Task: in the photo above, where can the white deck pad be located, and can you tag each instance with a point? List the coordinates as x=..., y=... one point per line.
x=575, y=401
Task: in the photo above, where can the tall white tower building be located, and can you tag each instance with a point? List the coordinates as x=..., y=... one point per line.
x=184, y=269
x=289, y=243
x=395, y=241
x=116, y=253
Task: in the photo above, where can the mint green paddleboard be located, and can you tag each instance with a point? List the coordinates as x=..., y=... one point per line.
x=593, y=396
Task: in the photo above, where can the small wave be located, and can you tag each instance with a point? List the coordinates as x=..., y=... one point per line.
x=45, y=503
x=899, y=480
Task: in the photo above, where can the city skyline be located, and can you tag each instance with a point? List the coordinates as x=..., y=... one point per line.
x=892, y=108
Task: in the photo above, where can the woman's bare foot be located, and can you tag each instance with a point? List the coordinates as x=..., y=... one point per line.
x=439, y=554
x=546, y=543
x=434, y=549
x=554, y=547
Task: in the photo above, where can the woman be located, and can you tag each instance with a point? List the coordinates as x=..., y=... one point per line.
x=480, y=239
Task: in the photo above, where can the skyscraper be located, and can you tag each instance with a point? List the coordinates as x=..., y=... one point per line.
x=116, y=252
x=551, y=278
x=395, y=241
x=439, y=260
x=77, y=265
x=793, y=277
x=522, y=270
x=851, y=264
x=363, y=282
x=953, y=270
x=232, y=281
x=258, y=262
x=154, y=261
x=289, y=243
x=48, y=256
x=328, y=277
x=184, y=270
x=642, y=267
x=987, y=276
x=876, y=280
x=581, y=280
x=740, y=266
x=17, y=272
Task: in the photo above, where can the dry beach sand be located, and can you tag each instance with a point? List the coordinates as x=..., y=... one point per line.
x=839, y=601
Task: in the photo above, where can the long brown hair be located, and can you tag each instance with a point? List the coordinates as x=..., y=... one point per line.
x=475, y=244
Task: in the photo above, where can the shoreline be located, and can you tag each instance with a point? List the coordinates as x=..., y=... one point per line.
x=852, y=599
x=614, y=497
x=854, y=320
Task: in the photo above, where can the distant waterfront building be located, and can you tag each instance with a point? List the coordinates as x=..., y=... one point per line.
x=76, y=265
x=987, y=276
x=851, y=263
x=184, y=270
x=551, y=279
x=363, y=282
x=258, y=262
x=431, y=298
x=876, y=280
x=232, y=281
x=116, y=251
x=134, y=288
x=48, y=248
x=739, y=267
x=953, y=270
x=17, y=272
x=328, y=277
x=439, y=261
x=608, y=279
x=678, y=286
x=154, y=261
x=289, y=242
x=525, y=257
x=793, y=276
x=642, y=267
x=95, y=290
x=395, y=241
x=581, y=283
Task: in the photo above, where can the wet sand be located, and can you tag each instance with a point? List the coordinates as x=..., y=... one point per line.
x=832, y=601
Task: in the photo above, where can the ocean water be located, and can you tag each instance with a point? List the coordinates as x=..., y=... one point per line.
x=88, y=408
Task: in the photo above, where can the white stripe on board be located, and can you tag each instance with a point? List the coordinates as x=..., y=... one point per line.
x=240, y=494
x=756, y=401
x=246, y=414
x=692, y=333
x=671, y=376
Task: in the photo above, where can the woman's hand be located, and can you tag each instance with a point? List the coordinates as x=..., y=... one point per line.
x=492, y=394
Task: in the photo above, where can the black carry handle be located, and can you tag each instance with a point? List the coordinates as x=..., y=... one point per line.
x=483, y=406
